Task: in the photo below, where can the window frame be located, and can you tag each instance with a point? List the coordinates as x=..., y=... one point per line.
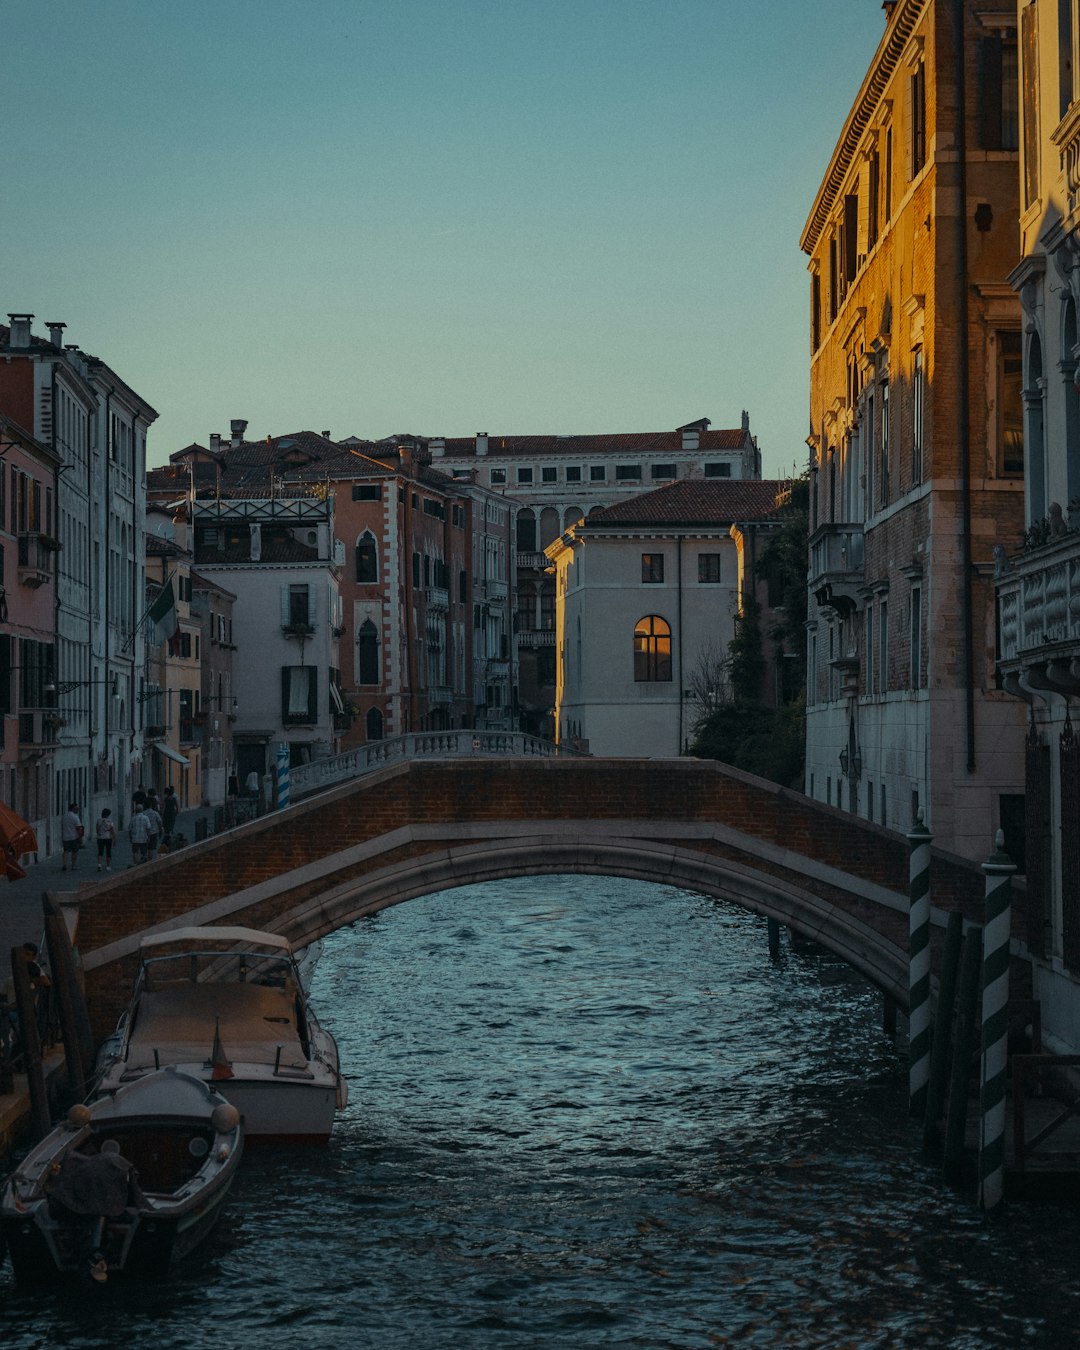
x=652, y=650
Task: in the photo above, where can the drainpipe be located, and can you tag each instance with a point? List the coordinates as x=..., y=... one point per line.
x=965, y=412
x=105, y=589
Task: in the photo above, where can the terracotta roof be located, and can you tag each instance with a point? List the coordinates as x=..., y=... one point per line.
x=695, y=501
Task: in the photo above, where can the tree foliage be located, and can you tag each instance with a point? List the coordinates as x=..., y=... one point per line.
x=770, y=742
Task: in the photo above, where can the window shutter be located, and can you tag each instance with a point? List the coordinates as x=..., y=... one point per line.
x=851, y=236
x=285, y=616
x=311, y=606
x=909, y=128
x=313, y=698
x=285, y=681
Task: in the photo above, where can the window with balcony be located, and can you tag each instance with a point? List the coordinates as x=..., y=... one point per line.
x=298, y=608
x=526, y=531
x=652, y=650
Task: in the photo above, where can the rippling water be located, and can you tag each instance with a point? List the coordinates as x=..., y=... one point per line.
x=591, y=1112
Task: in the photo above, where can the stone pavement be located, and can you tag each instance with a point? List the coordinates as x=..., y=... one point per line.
x=20, y=901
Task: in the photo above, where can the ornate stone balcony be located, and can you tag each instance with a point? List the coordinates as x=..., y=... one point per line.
x=836, y=565
x=1038, y=602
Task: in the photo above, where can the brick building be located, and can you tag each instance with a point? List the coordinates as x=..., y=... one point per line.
x=915, y=388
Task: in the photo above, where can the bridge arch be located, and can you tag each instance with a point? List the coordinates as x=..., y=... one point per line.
x=419, y=826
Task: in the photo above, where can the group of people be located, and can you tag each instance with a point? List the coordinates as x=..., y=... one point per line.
x=150, y=830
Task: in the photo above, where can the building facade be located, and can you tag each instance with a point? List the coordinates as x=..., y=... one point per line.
x=552, y=482
x=914, y=403
x=1038, y=587
x=647, y=595
x=96, y=427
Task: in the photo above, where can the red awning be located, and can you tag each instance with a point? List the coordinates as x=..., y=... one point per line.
x=16, y=838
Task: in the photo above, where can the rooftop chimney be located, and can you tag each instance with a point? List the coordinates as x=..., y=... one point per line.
x=56, y=334
x=745, y=420
x=437, y=446
x=215, y=442
x=325, y=435
x=481, y=442
x=237, y=427
x=405, y=457
x=691, y=438
x=20, y=329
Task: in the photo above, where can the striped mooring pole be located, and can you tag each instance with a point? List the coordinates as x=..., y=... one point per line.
x=282, y=775
x=995, y=1025
x=919, y=967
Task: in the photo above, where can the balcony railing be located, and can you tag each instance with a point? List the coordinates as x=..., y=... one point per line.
x=37, y=562
x=836, y=564
x=437, y=597
x=1038, y=599
x=540, y=561
x=536, y=637
x=497, y=590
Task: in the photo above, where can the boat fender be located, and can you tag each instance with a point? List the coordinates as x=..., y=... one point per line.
x=225, y=1118
x=78, y=1116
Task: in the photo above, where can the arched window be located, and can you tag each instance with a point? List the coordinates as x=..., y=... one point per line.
x=367, y=654
x=572, y=515
x=526, y=530
x=367, y=559
x=549, y=526
x=652, y=649
x=374, y=725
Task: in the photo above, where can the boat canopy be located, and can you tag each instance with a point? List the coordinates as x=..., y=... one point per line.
x=230, y=937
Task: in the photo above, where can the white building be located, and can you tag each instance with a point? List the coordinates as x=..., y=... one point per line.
x=647, y=593
x=279, y=558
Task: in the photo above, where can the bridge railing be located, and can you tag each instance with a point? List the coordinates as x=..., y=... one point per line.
x=324, y=773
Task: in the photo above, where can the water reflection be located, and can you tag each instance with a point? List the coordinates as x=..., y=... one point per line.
x=589, y=1112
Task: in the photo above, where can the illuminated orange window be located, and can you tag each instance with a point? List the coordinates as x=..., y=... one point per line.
x=652, y=649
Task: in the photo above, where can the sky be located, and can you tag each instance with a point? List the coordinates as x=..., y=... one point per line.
x=430, y=216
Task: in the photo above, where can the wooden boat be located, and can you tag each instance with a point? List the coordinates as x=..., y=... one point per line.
x=126, y=1186
x=228, y=1006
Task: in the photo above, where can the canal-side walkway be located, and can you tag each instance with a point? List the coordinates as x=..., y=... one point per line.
x=20, y=901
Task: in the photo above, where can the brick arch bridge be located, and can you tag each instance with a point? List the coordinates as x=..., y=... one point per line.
x=427, y=825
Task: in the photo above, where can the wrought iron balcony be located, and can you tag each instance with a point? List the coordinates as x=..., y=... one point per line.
x=836, y=565
x=37, y=563
x=1038, y=602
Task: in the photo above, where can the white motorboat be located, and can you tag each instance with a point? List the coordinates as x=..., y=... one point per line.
x=228, y=1006
x=126, y=1186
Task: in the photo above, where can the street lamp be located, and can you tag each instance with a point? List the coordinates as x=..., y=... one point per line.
x=66, y=686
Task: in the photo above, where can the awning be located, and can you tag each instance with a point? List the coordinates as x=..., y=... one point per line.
x=16, y=838
x=170, y=753
x=335, y=698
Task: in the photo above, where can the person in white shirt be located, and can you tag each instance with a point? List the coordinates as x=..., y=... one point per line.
x=139, y=830
x=71, y=836
x=105, y=830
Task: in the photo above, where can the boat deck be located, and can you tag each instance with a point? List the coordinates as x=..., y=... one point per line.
x=256, y=1024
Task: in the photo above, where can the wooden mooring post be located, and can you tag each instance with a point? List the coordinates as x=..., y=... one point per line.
x=74, y=1019
x=995, y=1026
x=941, y=1041
x=967, y=1005
x=918, y=967
x=26, y=1005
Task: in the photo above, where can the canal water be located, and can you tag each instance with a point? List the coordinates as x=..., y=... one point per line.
x=592, y=1112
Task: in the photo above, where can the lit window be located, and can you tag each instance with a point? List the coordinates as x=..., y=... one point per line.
x=652, y=650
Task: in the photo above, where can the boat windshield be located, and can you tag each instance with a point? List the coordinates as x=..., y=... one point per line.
x=272, y=970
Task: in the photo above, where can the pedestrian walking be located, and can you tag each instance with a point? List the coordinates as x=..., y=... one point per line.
x=138, y=799
x=105, y=831
x=139, y=831
x=170, y=809
x=71, y=837
x=157, y=829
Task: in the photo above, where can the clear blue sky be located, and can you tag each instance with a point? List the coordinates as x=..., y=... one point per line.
x=437, y=216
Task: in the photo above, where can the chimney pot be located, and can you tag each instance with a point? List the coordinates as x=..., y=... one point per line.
x=215, y=441
x=56, y=333
x=437, y=446
x=20, y=329
x=237, y=427
x=325, y=435
x=745, y=420
x=481, y=442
